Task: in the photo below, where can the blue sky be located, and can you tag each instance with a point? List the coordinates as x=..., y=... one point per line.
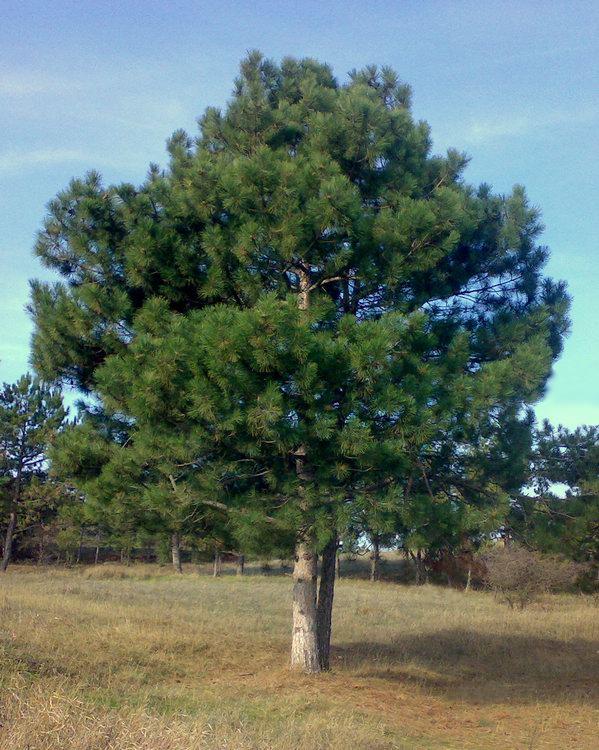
x=515, y=84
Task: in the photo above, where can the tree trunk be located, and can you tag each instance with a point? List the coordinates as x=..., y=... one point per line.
x=375, y=560
x=420, y=568
x=324, y=610
x=417, y=570
x=304, y=642
x=217, y=564
x=97, y=554
x=12, y=523
x=338, y=565
x=239, y=568
x=469, y=578
x=176, y=552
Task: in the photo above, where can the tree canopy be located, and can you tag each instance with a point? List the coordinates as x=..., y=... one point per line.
x=305, y=310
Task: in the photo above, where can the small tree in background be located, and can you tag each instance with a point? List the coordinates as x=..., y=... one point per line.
x=567, y=525
x=45, y=504
x=31, y=414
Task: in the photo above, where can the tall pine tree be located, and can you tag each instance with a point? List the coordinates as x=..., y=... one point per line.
x=306, y=292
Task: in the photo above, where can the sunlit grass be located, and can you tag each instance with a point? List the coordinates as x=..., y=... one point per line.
x=121, y=658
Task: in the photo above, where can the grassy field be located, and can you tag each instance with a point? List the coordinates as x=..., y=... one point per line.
x=136, y=658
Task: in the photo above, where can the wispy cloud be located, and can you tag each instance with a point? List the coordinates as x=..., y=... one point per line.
x=482, y=131
x=15, y=160
x=486, y=130
x=33, y=83
x=119, y=98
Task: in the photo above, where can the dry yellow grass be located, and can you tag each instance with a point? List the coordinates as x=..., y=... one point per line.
x=139, y=659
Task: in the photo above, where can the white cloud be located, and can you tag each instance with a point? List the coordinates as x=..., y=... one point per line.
x=482, y=131
x=14, y=160
x=508, y=126
x=23, y=84
x=17, y=160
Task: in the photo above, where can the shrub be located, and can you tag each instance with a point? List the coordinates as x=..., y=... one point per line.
x=518, y=576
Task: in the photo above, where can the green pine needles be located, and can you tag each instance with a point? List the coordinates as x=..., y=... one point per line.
x=31, y=413
x=307, y=321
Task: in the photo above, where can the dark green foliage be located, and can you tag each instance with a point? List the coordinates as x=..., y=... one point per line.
x=48, y=512
x=31, y=414
x=568, y=524
x=425, y=323
x=298, y=169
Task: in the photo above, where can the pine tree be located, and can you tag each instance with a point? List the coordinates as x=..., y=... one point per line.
x=30, y=415
x=299, y=312
x=567, y=525
x=44, y=507
x=458, y=489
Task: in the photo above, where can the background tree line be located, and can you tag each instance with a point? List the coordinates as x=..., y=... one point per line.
x=46, y=521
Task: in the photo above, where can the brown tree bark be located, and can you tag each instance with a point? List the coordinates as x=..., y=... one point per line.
x=326, y=591
x=304, y=642
x=176, y=552
x=338, y=565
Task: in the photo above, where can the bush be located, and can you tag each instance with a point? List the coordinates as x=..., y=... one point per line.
x=518, y=576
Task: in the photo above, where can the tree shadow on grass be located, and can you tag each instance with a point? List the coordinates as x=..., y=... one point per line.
x=481, y=667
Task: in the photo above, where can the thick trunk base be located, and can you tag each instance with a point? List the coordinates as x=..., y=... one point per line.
x=304, y=642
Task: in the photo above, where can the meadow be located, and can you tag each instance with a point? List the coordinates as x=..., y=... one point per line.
x=138, y=658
